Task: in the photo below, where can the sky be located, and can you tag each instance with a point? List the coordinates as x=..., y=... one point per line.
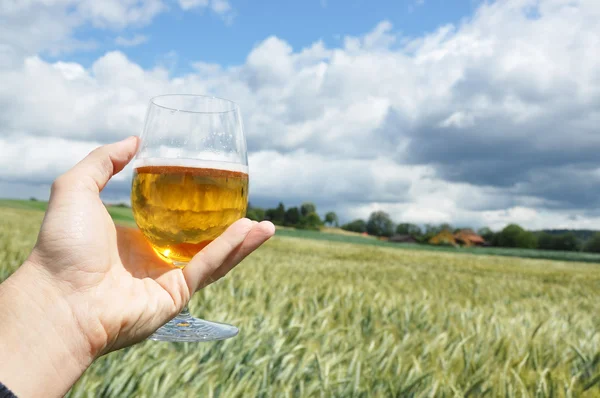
x=475, y=113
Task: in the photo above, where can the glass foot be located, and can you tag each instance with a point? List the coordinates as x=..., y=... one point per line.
x=186, y=328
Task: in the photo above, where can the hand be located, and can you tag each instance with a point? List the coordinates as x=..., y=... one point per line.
x=107, y=287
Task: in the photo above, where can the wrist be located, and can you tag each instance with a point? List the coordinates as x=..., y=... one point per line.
x=43, y=348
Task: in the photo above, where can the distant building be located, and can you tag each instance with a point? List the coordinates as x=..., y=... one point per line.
x=466, y=237
x=445, y=238
x=402, y=239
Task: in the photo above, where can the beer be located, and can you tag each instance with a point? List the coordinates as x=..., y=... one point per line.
x=180, y=208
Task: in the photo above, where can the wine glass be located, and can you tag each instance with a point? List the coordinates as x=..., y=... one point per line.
x=190, y=183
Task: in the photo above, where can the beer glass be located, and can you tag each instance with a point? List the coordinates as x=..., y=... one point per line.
x=190, y=183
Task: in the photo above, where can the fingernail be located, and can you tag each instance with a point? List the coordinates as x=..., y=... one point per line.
x=270, y=227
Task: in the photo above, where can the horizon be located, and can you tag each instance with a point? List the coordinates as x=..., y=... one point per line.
x=476, y=113
x=323, y=212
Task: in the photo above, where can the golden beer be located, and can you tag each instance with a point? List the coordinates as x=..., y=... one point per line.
x=181, y=209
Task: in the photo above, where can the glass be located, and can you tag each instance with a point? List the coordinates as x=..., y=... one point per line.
x=190, y=183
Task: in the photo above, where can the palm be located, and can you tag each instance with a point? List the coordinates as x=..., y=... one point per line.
x=157, y=290
x=135, y=292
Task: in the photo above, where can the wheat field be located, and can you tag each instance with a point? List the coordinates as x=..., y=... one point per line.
x=328, y=319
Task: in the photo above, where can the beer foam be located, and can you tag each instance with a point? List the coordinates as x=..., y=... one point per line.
x=191, y=163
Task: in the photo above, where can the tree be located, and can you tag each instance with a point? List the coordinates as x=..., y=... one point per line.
x=306, y=208
x=567, y=242
x=311, y=221
x=486, y=234
x=430, y=231
x=277, y=215
x=514, y=236
x=255, y=213
x=545, y=241
x=408, y=229
x=292, y=217
x=355, y=226
x=593, y=244
x=331, y=218
x=563, y=242
x=380, y=224
x=445, y=227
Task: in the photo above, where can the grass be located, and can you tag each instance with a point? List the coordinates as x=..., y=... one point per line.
x=121, y=215
x=24, y=204
x=334, y=319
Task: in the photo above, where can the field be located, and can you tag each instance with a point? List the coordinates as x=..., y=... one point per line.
x=328, y=318
x=123, y=215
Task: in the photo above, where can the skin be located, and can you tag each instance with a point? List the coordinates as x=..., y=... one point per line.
x=90, y=287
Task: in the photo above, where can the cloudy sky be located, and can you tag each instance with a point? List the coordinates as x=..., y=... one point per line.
x=473, y=113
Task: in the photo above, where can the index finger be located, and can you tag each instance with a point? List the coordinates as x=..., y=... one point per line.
x=209, y=259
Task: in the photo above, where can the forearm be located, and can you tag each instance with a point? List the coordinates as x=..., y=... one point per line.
x=41, y=351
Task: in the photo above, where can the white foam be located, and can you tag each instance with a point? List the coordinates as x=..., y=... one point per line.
x=191, y=163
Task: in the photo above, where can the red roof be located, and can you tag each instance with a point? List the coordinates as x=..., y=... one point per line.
x=469, y=237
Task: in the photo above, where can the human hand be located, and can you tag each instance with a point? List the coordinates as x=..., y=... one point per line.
x=107, y=287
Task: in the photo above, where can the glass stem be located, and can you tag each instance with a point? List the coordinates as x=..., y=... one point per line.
x=185, y=313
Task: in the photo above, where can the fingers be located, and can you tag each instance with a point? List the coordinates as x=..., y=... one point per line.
x=213, y=256
x=94, y=171
x=259, y=234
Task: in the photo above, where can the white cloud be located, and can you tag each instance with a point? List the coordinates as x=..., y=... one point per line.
x=136, y=40
x=487, y=122
x=119, y=13
x=189, y=4
x=32, y=27
x=219, y=7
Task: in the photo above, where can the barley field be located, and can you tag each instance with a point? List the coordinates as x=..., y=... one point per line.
x=333, y=319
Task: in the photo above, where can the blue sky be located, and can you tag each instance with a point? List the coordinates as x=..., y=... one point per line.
x=177, y=38
x=466, y=112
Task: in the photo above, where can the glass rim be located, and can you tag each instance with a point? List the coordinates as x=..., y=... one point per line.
x=234, y=106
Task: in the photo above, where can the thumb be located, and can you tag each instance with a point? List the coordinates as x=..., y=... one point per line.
x=94, y=171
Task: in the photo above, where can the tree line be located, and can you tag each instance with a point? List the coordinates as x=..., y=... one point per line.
x=380, y=224
x=303, y=217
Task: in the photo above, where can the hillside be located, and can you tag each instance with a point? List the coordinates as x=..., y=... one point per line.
x=123, y=215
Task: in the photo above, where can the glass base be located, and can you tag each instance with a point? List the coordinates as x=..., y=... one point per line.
x=186, y=328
